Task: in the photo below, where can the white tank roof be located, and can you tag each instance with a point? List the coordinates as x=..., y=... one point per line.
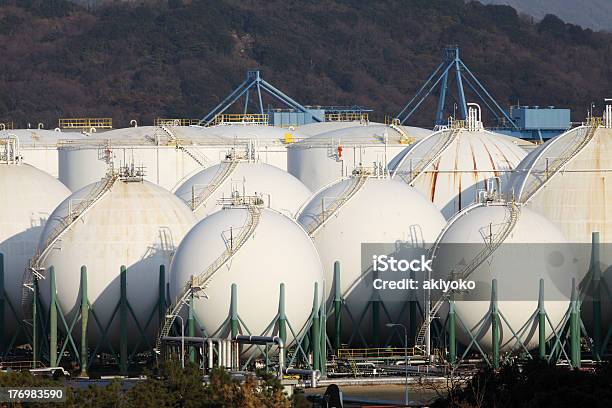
x=150, y=135
x=243, y=132
x=450, y=166
x=279, y=189
x=316, y=128
x=40, y=137
x=371, y=134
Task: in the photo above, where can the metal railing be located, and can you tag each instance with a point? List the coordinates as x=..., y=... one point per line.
x=8, y=125
x=175, y=122
x=227, y=168
x=85, y=123
x=382, y=352
x=346, y=117
x=250, y=118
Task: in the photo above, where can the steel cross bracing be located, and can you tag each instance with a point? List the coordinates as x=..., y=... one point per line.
x=35, y=269
x=226, y=169
x=253, y=82
x=430, y=158
x=579, y=143
x=200, y=282
x=496, y=240
x=355, y=185
x=200, y=160
x=453, y=63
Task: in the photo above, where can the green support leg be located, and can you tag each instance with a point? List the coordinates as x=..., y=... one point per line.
x=315, y=330
x=323, y=337
x=161, y=300
x=84, y=320
x=234, y=311
x=2, y=305
x=52, y=319
x=191, y=329
x=541, y=323
x=282, y=317
x=35, y=334
x=123, y=311
x=412, y=313
x=595, y=267
x=337, y=308
x=574, y=329
x=452, y=333
x=495, y=324
x=375, y=302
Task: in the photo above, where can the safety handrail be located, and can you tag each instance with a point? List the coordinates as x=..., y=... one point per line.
x=226, y=169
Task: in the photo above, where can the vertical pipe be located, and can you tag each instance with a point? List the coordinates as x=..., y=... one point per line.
x=123, y=310
x=234, y=310
x=282, y=318
x=315, y=329
x=574, y=329
x=595, y=267
x=452, y=336
x=495, y=324
x=52, y=320
x=35, y=333
x=191, y=328
x=211, y=353
x=323, y=327
x=375, y=302
x=541, y=323
x=412, y=311
x=84, y=320
x=337, y=307
x=2, y=303
x=161, y=300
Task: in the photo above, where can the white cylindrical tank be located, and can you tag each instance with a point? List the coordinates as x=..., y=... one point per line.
x=133, y=223
x=27, y=198
x=362, y=210
x=568, y=181
x=170, y=154
x=521, y=248
x=279, y=189
x=327, y=157
x=273, y=250
x=451, y=166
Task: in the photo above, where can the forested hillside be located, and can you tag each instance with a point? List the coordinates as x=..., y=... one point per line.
x=139, y=61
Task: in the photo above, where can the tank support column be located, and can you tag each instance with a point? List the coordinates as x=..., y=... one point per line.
x=337, y=308
x=52, y=319
x=123, y=310
x=282, y=318
x=452, y=337
x=84, y=319
x=375, y=302
x=323, y=334
x=234, y=310
x=541, y=323
x=191, y=327
x=412, y=313
x=35, y=331
x=2, y=305
x=596, y=271
x=161, y=300
x=495, y=324
x=315, y=332
x=574, y=329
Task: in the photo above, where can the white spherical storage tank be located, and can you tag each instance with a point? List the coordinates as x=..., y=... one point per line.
x=121, y=220
x=517, y=247
x=568, y=181
x=257, y=249
x=451, y=166
x=360, y=210
x=27, y=198
x=327, y=157
x=279, y=189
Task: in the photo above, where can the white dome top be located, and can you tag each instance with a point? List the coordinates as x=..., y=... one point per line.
x=279, y=189
x=151, y=135
x=40, y=137
x=27, y=198
x=372, y=133
x=277, y=251
x=136, y=224
x=450, y=166
x=262, y=134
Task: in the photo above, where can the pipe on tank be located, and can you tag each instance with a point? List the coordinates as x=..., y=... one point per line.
x=241, y=338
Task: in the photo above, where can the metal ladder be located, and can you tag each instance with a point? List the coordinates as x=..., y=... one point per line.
x=559, y=163
x=431, y=156
x=200, y=283
x=224, y=172
x=360, y=178
x=200, y=160
x=496, y=240
x=35, y=269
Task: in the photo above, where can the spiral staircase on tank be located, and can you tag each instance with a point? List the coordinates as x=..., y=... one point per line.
x=200, y=282
x=432, y=155
x=198, y=158
x=495, y=241
x=226, y=169
x=36, y=271
x=578, y=143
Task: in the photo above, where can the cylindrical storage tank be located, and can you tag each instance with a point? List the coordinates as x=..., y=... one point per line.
x=257, y=249
x=327, y=157
x=568, y=181
x=120, y=220
x=518, y=248
x=270, y=142
x=279, y=189
x=170, y=154
x=27, y=198
x=355, y=212
x=451, y=166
